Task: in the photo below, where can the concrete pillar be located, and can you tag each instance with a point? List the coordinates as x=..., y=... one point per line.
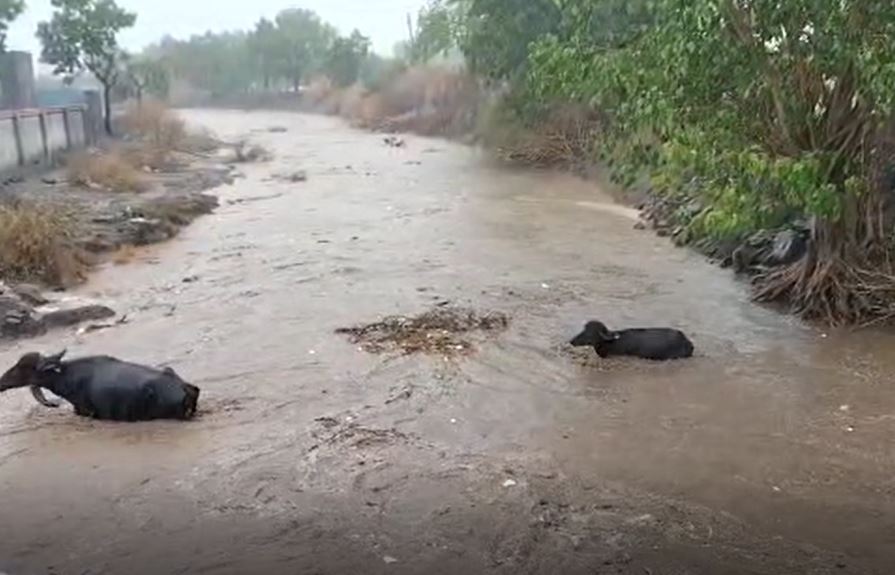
x=93, y=116
x=17, y=81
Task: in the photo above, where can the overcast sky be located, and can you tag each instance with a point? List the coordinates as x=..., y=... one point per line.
x=383, y=20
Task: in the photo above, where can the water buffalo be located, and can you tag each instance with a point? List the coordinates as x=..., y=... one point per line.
x=105, y=388
x=659, y=343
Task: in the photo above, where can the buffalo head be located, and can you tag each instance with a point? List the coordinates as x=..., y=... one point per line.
x=594, y=333
x=30, y=371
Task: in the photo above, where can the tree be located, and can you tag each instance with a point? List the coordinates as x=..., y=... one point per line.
x=498, y=33
x=264, y=44
x=147, y=75
x=346, y=57
x=435, y=32
x=441, y=27
x=762, y=114
x=303, y=42
x=9, y=11
x=82, y=35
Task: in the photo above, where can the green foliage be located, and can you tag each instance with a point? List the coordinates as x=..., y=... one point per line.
x=440, y=28
x=762, y=110
x=277, y=53
x=303, y=44
x=377, y=73
x=220, y=64
x=264, y=45
x=9, y=11
x=83, y=35
x=605, y=23
x=498, y=33
x=345, y=58
x=148, y=76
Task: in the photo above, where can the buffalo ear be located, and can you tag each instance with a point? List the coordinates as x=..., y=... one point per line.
x=602, y=333
x=52, y=362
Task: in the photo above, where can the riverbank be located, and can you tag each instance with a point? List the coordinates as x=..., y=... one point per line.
x=100, y=206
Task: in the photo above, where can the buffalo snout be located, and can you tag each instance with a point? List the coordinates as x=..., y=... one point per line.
x=22, y=374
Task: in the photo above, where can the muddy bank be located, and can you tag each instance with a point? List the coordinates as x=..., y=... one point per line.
x=768, y=453
x=103, y=222
x=26, y=311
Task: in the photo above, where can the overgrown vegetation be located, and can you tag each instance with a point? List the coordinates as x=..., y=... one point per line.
x=156, y=140
x=105, y=169
x=745, y=116
x=36, y=245
x=155, y=136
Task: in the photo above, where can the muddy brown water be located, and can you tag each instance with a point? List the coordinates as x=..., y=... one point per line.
x=770, y=452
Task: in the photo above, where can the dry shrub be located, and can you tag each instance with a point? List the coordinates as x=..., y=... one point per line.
x=423, y=100
x=408, y=92
x=370, y=113
x=109, y=170
x=439, y=331
x=153, y=123
x=564, y=138
x=36, y=246
x=157, y=134
x=319, y=90
x=351, y=101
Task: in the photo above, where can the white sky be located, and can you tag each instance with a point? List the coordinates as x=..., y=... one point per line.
x=384, y=21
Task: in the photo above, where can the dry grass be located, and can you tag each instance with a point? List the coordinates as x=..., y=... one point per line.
x=563, y=139
x=36, y=246
x=158, y=135
x=154, y=123
x=423, y=100
x=109, y=170
x=439, y=331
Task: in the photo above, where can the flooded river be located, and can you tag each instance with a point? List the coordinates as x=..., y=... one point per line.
x=769, y=452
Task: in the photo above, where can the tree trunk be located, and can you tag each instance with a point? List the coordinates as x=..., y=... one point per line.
x=107, y=104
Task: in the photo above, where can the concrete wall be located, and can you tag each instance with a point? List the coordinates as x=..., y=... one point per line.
x=57, y=141
x=9, y=152
x=32, y=136
x=76, y=135
x=32, y=139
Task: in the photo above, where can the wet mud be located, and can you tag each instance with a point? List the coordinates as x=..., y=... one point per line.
x=769, y=452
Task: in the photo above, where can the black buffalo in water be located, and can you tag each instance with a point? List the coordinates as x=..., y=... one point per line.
x=657, y=343
x=105, y=388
